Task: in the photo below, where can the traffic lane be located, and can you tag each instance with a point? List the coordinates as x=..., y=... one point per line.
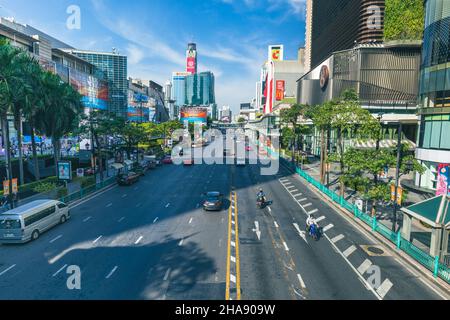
x=89, y=231
x=398, y=282
x=155, y=270
x=325, y=273
x=263, y=264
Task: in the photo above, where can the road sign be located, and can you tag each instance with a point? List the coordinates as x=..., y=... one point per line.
x=6, y=187
x=15, y=186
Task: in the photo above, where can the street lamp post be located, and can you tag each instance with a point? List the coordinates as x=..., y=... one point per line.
x=397, y=176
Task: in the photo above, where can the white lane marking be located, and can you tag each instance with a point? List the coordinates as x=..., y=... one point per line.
x=300, y=279
x=301, y=233
x=233, y=278
x=320, y=219
x=5, y=271
x=364, y=266
x=97, y=240
x=112, y=272
x=303, y=200
x=297, y=195
x=293, y=190
x=56, y=239
x=269, y=208
x=307, y=205
x=276, y=224
x=181, y=243
x=285, y=246
x=157, y=218
x=232, y=214
x=287, y=183
x=349, y=251
x=233, y=259
x=190, y=221
x=139, y=240
x=290, y=187
x=384, y=288
x=328, y=227
x=87, y=219
x=338, y=238
x=59, y=271
x=315, y=211
x=257, y=230
x=167, y=275
x=233, y=244
x=233, y=223
x=124, y=196
x=109, y=205
x=91, y=198
x=233, y=232
x=121, y=219
x=167, y=205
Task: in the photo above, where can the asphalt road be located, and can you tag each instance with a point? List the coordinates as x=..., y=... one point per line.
x=153, y=241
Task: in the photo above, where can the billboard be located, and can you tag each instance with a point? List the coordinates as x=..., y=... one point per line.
x=194, y=115
x=281, y=88
x=276, y=53
x=65, y=170
x=137, y=114
x=442, y=180
x=191, y=63
x=94, y=91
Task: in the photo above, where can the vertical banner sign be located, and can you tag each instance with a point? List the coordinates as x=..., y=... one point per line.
x=442, y=179
x=65, y=170
x=276, y=53
x=6, y=187
x=399, y=194
x=15, y=186
x=281, y=84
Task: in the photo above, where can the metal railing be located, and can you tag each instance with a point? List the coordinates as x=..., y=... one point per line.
x=84, y=192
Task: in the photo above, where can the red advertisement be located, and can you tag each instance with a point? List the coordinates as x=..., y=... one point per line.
x=443, y=180
x=191, y=65
x=281, y=84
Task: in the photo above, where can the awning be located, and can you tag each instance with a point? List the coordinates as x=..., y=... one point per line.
x=117, y=166
x=434, y=212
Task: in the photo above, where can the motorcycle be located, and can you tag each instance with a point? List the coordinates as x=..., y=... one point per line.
x=260, y=202
x=314, y=232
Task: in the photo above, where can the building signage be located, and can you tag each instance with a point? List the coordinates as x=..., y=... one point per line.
x=276, y=53
x=65, y=170
x=191, y=61
x=15, y=186
x=6, y=187
x=443, y=180
x=324, y=77
x=281, y=87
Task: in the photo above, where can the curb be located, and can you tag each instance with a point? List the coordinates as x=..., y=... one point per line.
x=441, y=285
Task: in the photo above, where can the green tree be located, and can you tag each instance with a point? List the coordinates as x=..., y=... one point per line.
x=404, y=20
x=293, y=118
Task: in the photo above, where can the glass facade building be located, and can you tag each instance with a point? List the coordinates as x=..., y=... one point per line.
x=200, y=89
x=434, y=93
x=115, y=68
x=178, y=91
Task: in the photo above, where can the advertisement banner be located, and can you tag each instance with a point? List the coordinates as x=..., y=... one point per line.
x=65, y=170
x=6, y=187
x=15, y=186
x=276, y=53
x=191, y=65
x=281, y=87
x=399, y=194
x=192, y=115
x=443, y=180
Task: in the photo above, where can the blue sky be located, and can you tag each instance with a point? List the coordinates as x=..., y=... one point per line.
x=232, y=36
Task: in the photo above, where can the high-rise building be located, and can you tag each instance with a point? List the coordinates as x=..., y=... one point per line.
x=340, y=24
x=191, y=58
x=434, y=98
x=200, y=89
x=179, y=91
x=114, y=66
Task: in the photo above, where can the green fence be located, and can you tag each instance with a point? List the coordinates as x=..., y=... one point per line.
x=84, y=192
x=417, y=254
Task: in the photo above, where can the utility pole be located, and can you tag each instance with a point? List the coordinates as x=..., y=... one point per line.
x=397, y=175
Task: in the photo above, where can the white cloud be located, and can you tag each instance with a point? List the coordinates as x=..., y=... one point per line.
x=135, y=54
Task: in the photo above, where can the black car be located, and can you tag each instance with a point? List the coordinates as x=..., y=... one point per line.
x=128, y=179
x=213, y=201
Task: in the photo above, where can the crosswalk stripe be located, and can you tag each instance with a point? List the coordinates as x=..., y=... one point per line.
x=364, y=266
x=319, y=219
x=338, y=238
x=349, y=251
x=307, y=205
x=328, y=227
x=384, y=288
x=303, y=200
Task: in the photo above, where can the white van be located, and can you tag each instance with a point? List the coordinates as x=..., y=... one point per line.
x=29, y=221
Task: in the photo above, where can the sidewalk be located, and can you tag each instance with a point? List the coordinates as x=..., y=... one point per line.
x=421, y=236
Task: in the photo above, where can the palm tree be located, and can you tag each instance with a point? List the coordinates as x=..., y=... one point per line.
x=60, y=112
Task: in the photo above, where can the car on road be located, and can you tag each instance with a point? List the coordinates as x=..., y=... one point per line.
x=28, y=222
x=213, y=201
x=167, y=160
x=128, y=179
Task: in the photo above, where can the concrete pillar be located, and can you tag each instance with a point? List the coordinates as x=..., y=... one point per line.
x=445, y=244
x=435, y=246
x=406, y=229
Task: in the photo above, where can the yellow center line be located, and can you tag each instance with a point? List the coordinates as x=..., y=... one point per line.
x=227, y=292
x=238, y=267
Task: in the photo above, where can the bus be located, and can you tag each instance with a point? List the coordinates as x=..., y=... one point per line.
x=26, y=223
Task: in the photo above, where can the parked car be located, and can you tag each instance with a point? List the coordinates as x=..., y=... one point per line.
x=213, y=201
x=128, y=179
x=167, y=160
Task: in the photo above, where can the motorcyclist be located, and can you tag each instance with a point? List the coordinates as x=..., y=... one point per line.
x=261, y=196
x=311, y=221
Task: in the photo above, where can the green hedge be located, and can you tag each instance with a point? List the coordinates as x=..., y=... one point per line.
x=30, y=187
